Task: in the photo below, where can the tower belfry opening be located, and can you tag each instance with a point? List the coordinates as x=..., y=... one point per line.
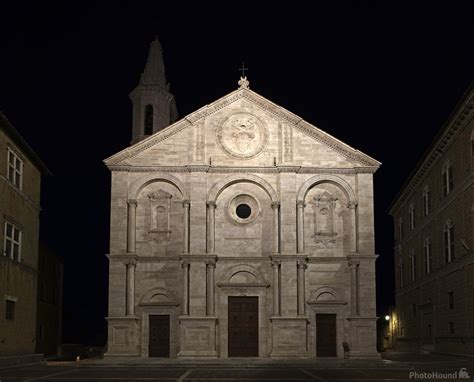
x=154, y=107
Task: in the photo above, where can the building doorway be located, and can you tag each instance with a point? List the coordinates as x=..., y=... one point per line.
x=159, y=340
x=243, y=327
x=326, y=335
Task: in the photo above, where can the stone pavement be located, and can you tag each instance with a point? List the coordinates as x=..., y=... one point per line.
x=394, y=367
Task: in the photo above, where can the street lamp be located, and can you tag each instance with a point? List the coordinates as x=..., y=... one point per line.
x=387, y=318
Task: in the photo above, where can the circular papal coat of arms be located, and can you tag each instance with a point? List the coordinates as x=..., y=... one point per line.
x=242, y=135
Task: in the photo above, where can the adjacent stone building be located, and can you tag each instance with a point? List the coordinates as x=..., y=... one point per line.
x=50, y=295
x=434, y=240
x=239, y=230
x=20, y=179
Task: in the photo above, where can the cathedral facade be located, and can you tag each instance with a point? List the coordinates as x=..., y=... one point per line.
x=240, y=230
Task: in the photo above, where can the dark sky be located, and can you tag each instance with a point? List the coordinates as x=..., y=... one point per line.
x=381, y=78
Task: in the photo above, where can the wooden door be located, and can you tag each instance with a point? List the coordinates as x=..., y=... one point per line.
x=326, y=337
x=159, y=340
x=243, y=327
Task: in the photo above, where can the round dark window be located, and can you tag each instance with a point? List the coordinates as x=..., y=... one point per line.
x=243, y=211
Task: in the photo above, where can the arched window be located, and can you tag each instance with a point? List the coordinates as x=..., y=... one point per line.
x=427, y=253
x=148, y=123
x=448, y=182
x=426, y=200
x=448, y=241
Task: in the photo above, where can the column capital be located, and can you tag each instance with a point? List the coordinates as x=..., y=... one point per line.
x=132, y=262
x=211, y=203
x=132, y=202
x=275, y=263
x=275, y=205
x=353, y=263
x=352, y=205
x=301, y=264
x=185, y=263
x=300, y=204
x=211, y=264
x=186, y=203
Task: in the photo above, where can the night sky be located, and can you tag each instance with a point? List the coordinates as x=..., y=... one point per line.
x=381, y=79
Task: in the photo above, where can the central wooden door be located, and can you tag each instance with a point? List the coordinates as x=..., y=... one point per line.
x=326, y=337
x=159, y=340
x=243, y=327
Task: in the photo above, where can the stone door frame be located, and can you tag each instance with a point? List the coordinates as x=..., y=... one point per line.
x=242, y=290
x=329, y=307
x=144, y=313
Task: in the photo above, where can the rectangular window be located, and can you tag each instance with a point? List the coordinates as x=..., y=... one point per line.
x=411, y=217
x=10, y=310
x=413, y=267
x=401, y=273
x=450, y=178
x=400, y=229
x=426, y=201
x=414, y=310
x=12, y=242
x=15, y=169
x=428, y=330
x=451, y=300
x=451, y=242
x=451, y=327
x=427, y=257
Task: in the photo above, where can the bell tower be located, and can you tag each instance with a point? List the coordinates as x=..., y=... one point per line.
x=154, y=107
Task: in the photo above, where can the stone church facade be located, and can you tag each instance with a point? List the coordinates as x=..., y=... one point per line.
x=239, y=230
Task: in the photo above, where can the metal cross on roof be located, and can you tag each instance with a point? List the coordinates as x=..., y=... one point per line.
x=243, y=69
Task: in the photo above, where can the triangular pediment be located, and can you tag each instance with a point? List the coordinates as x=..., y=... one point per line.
x=353, y=157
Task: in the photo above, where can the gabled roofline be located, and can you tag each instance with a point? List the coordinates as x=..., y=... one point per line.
x=13, y=133
x=260, y=101
x=443, y=137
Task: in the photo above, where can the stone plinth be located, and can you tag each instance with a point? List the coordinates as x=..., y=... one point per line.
x=197, y=337
x=289, y=337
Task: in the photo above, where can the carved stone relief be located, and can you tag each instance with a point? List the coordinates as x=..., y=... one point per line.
x=324, y=205
x=242, y=135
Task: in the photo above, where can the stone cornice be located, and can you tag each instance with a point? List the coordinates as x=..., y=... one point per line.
x=286, y=318
x=357, y=256
x=462, y=115
x=326, y=303
x=150, y=89
x=199, y=258
x=246, y=169
x=278, y=111
x=242, y=285
x=277, y=257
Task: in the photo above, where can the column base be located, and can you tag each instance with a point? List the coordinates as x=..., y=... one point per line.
x=198, y=337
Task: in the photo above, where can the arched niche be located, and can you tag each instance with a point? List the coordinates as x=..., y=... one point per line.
x=220, y=186
x=145, y=180
x=327, y=178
